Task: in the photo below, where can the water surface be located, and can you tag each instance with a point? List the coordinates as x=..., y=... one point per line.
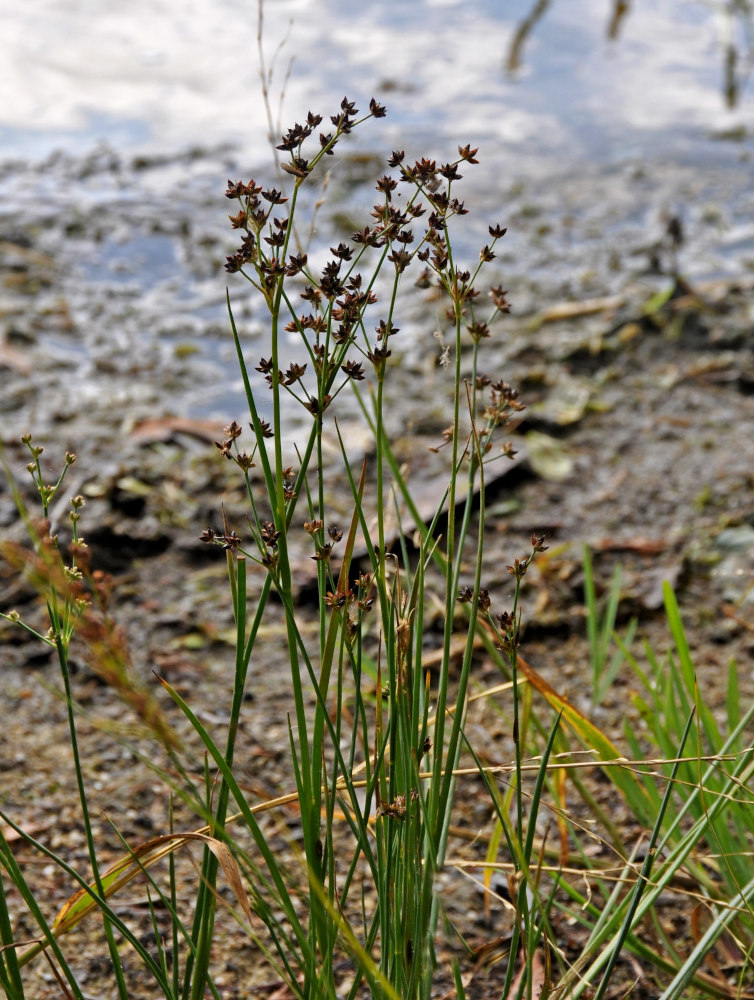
x=164, y=76
x=120, y=124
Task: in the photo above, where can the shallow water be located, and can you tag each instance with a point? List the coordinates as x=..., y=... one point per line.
x=118, y=144
x=166, y=76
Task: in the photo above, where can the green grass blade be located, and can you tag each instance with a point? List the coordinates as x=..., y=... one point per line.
x=643, y=877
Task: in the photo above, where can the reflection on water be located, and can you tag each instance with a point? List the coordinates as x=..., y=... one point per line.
x=735, y=29
x=738, y=19
x=593, y=78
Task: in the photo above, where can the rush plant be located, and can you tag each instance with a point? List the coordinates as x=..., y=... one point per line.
x=376, y=736
x=381, y=683
x=390, y=773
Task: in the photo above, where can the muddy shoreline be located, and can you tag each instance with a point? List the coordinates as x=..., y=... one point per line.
x=638, y=440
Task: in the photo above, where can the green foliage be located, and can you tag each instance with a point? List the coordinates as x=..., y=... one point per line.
x=600, y=630
x=400, y=821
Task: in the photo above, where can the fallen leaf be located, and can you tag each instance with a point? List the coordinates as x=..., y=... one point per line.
x=11, y=357
x=575, y=310
x=13, y=837
x=166, y=428
x=644, y=546
x=547, y=457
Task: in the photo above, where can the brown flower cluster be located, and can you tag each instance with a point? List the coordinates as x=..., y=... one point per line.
x=337, y=298
x=506, y=624
x=228, y=448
